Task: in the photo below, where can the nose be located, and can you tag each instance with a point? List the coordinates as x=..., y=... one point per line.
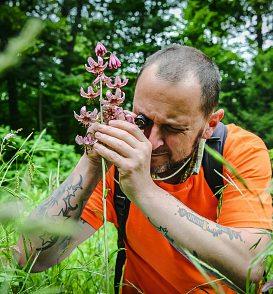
x=155, y=137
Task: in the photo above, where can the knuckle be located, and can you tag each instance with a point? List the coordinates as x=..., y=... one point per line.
x=131, y=166
x=133, y=128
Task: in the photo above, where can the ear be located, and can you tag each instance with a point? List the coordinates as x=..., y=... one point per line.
x=214, y=119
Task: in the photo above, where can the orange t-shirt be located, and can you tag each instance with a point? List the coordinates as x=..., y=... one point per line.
x=152, y=264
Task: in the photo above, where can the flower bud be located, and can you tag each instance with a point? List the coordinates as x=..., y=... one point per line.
x=114, y=62
x=100, y=49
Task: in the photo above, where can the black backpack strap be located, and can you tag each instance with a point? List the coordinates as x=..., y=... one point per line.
x=121, y=205
x=210, y=164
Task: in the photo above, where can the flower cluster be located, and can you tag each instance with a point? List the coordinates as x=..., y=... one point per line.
x=110, y=105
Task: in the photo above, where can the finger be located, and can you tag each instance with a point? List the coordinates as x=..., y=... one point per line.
x=109, y=155
x=132, y=129
x=91, y=128
x=130, y=112
x=117, y=145
x=117, y=133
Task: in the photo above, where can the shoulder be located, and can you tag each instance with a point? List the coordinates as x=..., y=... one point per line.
x=240, y=140
x=246, y=151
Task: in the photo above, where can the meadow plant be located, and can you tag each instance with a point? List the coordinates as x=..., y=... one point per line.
x=110, y=109
x=110, y=105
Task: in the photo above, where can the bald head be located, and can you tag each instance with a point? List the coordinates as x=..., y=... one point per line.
x=177, y=63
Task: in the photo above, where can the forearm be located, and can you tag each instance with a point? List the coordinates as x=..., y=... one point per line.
x=66, y=202
x=225, y=249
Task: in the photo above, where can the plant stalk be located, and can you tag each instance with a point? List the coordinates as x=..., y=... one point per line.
x=104, y=195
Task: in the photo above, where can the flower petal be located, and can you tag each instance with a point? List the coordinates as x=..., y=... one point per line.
x=91, y=61
x=79, y=140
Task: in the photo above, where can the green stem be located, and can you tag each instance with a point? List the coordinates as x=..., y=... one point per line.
x=104, y=195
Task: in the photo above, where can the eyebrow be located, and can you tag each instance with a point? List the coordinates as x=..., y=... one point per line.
x=168, y=123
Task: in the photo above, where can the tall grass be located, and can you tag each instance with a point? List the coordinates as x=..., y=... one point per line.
x=30, y=170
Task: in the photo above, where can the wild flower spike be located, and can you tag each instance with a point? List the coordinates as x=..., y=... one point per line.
x=86, y=117
x=90, y=93
x=117, y=84
x=94, y=67
x=114, y=62
x=100, y=49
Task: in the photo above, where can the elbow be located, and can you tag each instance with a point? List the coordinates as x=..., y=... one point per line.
x=249, y=273
x=255, y=273
x=31, y=264
x=252, y=274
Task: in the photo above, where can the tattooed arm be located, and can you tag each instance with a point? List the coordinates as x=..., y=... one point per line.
x=66, y=203
x=229, y=250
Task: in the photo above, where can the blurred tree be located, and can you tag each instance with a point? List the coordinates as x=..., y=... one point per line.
x=43, y=90
x=258, y=113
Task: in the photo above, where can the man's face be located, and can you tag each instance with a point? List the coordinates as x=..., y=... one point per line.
x=177, y=120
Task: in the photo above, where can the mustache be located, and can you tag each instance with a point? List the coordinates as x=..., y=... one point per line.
x=160, y=151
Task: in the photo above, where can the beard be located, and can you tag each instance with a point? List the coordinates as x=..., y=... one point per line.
x=169, y=166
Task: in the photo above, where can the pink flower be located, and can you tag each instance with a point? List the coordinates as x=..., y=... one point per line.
x=100, y=49
x=117, y=84
x=95, y=67
x=88, y=140
x=90, y=93
x=86, y=117
x=111, y=112
x=114, y=62
x=103, y=77
x=114, y=99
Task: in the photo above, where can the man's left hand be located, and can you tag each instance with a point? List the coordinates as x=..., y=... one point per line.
x=125, y=145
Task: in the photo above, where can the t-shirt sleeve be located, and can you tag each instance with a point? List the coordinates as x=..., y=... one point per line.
x=93, y=210
x=247, y=205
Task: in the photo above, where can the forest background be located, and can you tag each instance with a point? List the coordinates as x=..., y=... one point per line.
x=40, y=93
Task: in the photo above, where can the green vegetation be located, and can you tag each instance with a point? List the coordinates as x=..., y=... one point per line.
x=39, y=88
x=43, y=89
x=30, y=170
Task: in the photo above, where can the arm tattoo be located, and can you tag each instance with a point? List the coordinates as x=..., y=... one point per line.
x=71, y=190
x=165, y=233
x=162, y=230
x=205, y=226
x=64, y=193
x=47, y=241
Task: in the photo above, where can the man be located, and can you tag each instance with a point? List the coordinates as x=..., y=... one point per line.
x=177, y=92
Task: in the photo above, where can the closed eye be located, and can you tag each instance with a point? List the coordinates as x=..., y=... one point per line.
x=175, y=130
